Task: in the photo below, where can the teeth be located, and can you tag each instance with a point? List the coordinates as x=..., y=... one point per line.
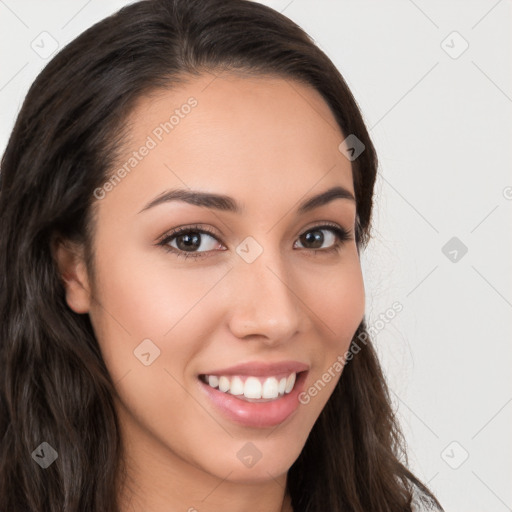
x=282, y=386
x=224, y=384
x=237, y=386
x=290, y=381
x=270, y=388
x=253, y=387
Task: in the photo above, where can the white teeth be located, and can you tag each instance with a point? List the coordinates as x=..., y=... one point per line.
x=290, y=381
x=224, y=383
x=282, y=386
x=237, y=386
x=270, y=388
x=254, y=387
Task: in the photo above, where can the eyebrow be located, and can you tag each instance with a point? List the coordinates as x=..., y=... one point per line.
x=228, y=204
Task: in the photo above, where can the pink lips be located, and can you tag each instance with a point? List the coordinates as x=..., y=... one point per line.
x=261, y=369
x=257, y=414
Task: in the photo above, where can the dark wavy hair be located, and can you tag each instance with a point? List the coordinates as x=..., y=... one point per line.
x=54, y=384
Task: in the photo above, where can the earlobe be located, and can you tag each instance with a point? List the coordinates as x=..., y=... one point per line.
x=72, y=269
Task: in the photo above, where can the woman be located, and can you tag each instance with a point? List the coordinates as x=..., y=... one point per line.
x=183, y=201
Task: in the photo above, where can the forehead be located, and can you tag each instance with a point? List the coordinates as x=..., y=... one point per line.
x=245, y=136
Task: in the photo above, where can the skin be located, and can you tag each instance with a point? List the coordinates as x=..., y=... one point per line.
x=268, y=143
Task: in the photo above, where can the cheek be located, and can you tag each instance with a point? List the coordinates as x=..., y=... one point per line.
x=344, y=301
x=150, y=297
x=339, y=304
x=139, y=299
x=145, y=300
x=337, y=299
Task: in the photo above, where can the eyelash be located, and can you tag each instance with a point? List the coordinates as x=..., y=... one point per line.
x=342, y=234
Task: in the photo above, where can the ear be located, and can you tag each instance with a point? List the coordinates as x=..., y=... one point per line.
x=72, y=269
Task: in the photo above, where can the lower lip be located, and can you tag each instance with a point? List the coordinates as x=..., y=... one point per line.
x=256, y=414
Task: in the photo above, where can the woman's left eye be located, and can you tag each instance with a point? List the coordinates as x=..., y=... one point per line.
x=185, y=242
x=315, y=236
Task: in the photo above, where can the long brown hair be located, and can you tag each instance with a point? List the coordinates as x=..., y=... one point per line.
x=54, y=385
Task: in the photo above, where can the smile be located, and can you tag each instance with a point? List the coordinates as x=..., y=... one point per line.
x=252, y=388
x=254, y=401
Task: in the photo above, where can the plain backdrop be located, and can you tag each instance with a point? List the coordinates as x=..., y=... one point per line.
x=434, y=82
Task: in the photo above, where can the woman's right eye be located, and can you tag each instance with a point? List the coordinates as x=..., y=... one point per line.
x=185, y=242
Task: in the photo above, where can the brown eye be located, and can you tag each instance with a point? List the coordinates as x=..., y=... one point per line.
x=315, y=238
x=191, y=241
x=187, y=241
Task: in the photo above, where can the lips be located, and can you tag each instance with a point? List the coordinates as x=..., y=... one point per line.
x=255, y=394
x=261, y=369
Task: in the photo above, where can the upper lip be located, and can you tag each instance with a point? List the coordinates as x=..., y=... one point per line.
x=261, y=369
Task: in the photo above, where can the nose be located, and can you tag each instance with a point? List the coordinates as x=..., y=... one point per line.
x=265, y=304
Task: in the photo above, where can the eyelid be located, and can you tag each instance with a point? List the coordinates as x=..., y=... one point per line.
x=343, y=232
x=201, y=228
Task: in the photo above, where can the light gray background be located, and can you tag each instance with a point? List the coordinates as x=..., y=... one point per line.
x=443, y=130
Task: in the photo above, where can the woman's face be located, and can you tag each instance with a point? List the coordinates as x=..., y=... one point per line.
x=264, y=286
